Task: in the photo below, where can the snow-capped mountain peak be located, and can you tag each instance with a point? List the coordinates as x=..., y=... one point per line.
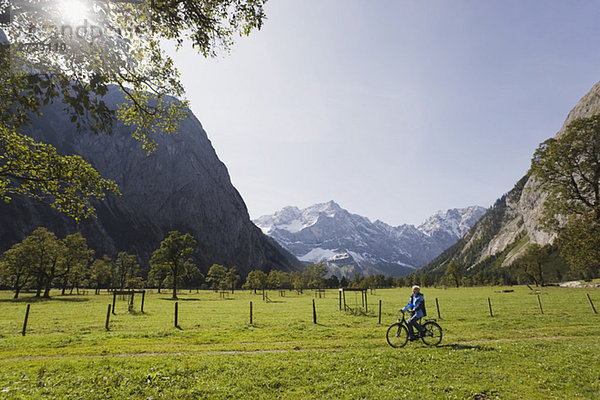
x=455, y=222
x=293, y=220
x=350, y=243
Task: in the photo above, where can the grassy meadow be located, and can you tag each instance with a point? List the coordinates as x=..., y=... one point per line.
x=216, y=353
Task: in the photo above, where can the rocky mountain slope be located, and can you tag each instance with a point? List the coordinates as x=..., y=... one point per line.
x=182, y=185
x=512, y=223
x=349, y=243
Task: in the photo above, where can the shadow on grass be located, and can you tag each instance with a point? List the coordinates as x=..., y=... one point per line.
x=178, y=299
x=136, y=313
x=455, y=346
x=44, y=299
x=73, y=300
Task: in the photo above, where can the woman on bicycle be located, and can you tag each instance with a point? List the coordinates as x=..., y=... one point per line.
x=416, y=306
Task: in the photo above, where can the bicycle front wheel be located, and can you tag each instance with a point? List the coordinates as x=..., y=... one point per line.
x=432, y=334
x=397, y=335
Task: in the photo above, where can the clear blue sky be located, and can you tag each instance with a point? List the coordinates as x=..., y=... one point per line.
x=394, y=109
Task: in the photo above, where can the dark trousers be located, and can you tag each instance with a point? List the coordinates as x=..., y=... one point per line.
x=413, y=323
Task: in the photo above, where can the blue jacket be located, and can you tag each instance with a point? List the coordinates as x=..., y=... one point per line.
x=417, y=304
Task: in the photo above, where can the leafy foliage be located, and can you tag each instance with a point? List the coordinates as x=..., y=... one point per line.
x=580, y=244
x=569, y=168
x=15, y=269
x=217, y=277
x=36, y=170
x=42, y=250
x=533, y=263
x=101, y=273
x=75, y=260
x=256, y=279
x=126, y=267
x=173, y=254
x=121, y=47
x=454, y=273
x=231, y=279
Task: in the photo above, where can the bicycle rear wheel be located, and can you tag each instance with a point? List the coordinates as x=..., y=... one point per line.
x=397, y=335
x=432, y=334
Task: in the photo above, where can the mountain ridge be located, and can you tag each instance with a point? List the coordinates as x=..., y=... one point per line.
x=513, y=223
x=350, y=243
x=182, y=186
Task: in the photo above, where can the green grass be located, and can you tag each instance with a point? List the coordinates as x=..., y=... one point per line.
x=517, y=354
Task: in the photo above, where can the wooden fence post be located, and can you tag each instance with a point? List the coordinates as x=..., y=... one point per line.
x=540, y=303
x=314, y=312
x=591, y=303
x=379, y=312
x=490, y=304
x=344, y=295
x=143, y=296
x=250, y=313
x=114, y=301
x=437, y=305
x=107, y=318
x=130, y=305
x=340, y=296
x=26, y=318
x=176, y=314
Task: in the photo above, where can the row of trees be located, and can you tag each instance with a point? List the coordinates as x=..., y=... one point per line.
x=314, y=276
x=537, y=265
x=43, y=261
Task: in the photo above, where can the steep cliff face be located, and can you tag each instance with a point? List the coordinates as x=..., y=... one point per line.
x=182, y=185
x=508, y=227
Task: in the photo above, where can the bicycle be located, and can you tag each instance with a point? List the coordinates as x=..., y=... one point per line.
x=397, y=334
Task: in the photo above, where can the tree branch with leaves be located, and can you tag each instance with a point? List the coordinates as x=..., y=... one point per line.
x=122, y=48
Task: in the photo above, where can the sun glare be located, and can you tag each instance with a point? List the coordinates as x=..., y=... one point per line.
x=74, y=11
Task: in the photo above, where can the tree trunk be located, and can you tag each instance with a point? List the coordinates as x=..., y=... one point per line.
x=40, y=284
x=47, y=290
x=17, y=287
x=541, y=274
x=65, y=280
x=50, y=278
